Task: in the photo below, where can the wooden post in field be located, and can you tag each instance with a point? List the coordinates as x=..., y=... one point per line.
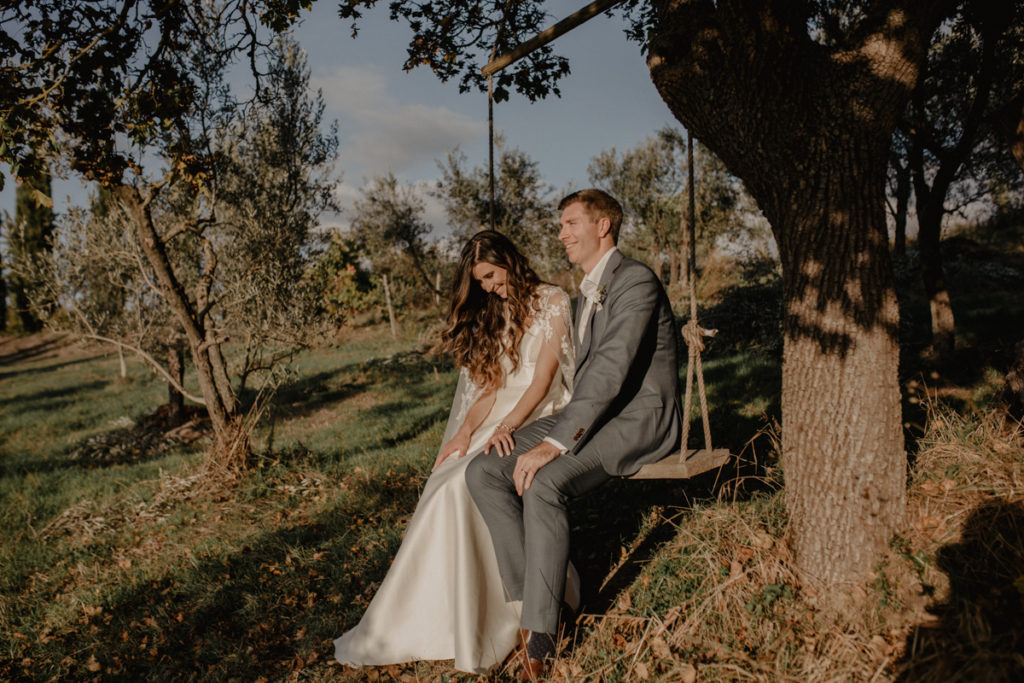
x=391, y=309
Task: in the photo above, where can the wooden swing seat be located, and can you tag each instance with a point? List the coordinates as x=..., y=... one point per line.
x=684, y=464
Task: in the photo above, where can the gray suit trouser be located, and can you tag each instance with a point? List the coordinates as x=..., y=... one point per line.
x=531, y=534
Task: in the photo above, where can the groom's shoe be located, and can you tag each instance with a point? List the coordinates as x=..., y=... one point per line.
x=532, y=669
x=519, y=651
x=535, y=659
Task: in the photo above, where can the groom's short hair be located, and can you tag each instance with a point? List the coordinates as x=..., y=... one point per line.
x=599, y=204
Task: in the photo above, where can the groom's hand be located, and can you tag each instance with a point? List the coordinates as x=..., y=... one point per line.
x=530, y=462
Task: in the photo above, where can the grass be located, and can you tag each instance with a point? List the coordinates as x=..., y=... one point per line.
x=136, y=567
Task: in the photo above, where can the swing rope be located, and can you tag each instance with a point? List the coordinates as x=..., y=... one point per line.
x=693, y=334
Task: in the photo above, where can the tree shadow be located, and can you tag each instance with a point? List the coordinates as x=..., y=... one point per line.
x=309, y=394
x=49, y=367
x=978, y=631
x=141, y=441
x=40, y=348
x=51, y=400
x=604, y=546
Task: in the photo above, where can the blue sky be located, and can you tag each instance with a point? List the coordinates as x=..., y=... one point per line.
x=389, y=120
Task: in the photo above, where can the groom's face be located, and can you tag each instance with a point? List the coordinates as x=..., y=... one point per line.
x=581, y=234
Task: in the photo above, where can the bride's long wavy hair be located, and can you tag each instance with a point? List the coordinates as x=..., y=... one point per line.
x=477, y=321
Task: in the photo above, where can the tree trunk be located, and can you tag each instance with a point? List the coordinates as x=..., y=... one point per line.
x=1015, y=382
x=658, y=265
x=121, y=362
x=175, y=401
x=220, y=374
x=391, y=309
x=674, y=268
x=928, y=240
x=1010, y=125
x=842, y=440
x=900, y=218
x=807, y=128
x=222, y=415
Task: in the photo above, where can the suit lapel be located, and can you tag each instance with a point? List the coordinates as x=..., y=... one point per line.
x=584, y=347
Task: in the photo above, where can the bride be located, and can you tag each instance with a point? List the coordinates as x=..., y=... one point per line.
x=442, y=598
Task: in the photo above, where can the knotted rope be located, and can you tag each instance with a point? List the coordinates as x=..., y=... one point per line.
x=693, y=335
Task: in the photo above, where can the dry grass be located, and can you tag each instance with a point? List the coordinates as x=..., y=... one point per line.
x=720, y=601
x=945, y=605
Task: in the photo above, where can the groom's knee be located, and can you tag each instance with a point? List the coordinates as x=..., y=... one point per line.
x=480, y=474
x=544, y=490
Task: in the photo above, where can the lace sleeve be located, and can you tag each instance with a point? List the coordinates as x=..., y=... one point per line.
x=554, y=320
x=466, y=393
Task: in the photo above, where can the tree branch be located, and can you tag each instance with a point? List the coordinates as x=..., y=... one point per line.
x=153, y=362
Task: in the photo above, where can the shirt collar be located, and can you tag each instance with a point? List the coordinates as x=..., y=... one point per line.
x=598, y=271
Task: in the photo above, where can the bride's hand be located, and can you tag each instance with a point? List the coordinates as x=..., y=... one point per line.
x=458, y=445
x=501, y=440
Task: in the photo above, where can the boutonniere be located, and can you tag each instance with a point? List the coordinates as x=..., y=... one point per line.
x=602, y=292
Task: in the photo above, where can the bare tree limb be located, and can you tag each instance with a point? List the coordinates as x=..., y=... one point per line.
x=153, y=362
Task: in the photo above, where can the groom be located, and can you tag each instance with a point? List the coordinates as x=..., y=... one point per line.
x=624, y=413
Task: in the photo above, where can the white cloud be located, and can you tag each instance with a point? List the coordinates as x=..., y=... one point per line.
x=381, y=134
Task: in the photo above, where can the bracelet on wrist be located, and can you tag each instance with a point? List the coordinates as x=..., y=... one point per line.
x=503, y=427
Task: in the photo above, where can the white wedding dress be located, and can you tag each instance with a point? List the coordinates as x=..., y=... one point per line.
x=442, y=598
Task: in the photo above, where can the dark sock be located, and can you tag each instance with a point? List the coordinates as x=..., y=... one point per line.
x=541, y=646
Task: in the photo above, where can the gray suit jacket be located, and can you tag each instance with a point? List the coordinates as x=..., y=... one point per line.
x=625, y=401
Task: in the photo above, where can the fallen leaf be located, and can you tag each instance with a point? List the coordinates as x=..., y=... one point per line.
x=686, y=673
x=660, y=648
x=92, y=664
x=641, y=671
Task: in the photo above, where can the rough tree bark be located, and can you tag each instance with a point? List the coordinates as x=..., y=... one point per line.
x=203, y=348
x=933, y=276
x=175, y=401
x=807, y=127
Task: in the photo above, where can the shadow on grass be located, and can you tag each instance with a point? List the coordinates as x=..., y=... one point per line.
x=979, y=633
x=267, y=608
x=310, y=393
x=43, y=346
x=42, y=369
x=50, y=400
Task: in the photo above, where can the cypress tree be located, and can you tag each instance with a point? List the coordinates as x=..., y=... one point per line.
x=31, y=234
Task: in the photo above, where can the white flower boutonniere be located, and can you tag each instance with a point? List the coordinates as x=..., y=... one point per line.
x=594, y=294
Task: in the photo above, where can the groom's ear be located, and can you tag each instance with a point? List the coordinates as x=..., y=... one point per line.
x=604, y=226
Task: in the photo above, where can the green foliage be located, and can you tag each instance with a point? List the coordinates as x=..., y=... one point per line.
x=240, y=255
x=650, y=181
x=975, y=65
x=455, y=38
x=29, y=238
x=274, y=183
x=339, y=275
x=82, y=77
x=390, y=231
x=524, y=207
x=748, y=314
